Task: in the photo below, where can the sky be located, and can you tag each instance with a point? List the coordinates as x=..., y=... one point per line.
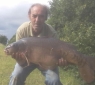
x=13, y=13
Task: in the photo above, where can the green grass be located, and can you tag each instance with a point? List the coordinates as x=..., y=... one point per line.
x=68, y=77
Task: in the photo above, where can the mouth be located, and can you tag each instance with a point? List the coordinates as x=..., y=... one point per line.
x=36, y=25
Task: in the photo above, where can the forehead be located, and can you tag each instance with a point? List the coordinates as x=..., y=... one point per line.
x=39, y=10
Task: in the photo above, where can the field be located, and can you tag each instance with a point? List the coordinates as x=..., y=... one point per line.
x=68, y=77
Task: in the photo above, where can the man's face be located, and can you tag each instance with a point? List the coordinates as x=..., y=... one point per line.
x=37, y=18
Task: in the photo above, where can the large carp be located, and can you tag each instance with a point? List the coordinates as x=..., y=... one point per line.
x=46, y=52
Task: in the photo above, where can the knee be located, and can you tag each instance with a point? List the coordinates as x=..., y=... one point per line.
x=52, y=77
x=16, y=79
x=17, y=71
x=15, y=75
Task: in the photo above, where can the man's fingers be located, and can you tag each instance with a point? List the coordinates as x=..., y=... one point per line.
x=62, y=62
x=15, y=55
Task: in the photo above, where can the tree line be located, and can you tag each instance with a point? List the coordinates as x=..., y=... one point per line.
x=3, y=39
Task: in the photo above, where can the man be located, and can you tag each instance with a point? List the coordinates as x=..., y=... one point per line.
x=38, y=14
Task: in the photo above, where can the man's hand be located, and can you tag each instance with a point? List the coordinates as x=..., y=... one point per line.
x=17, y=56
x=62, y=62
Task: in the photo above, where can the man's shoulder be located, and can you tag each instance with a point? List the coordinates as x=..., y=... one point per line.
x=24, y=26
x=23, y=30
x=51, y=31
x=50, y=28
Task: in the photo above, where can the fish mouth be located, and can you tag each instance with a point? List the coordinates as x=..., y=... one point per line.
x=7, y=51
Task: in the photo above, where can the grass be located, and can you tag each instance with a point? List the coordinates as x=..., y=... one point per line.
x=68, y=77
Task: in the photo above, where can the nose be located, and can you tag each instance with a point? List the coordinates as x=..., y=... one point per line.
x=37, y=19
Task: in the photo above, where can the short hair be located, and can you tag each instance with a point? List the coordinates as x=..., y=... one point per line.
x=46, y=8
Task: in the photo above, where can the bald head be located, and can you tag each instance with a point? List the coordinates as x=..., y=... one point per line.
x=44, y=8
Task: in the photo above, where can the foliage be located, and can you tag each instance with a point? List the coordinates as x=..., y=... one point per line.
x=75, y=23
x=3, y=39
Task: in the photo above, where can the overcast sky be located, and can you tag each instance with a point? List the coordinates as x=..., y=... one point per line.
x=13, y=13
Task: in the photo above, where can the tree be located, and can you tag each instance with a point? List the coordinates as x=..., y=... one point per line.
x=75, y=23
x=3, y=39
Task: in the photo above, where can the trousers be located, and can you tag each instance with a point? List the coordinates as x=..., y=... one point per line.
x=20, y=74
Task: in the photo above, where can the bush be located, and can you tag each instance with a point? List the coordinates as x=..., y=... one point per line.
x=3, y=39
